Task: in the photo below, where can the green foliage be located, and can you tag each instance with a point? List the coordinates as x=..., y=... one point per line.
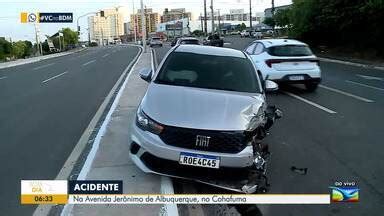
x=357, y=24
x=282, y=18
x=18, y=49
x=70, y=37
x=269, y=21
x=5, y=48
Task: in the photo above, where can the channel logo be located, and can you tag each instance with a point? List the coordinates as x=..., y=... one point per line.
x=344, y=194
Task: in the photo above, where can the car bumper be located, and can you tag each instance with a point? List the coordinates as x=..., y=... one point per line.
x=307, y=79
x=145, y=143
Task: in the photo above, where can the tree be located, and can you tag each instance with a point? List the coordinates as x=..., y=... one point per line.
x=282, y=18
x=28, y=48
x=18, y=49
x=269, y=21
x=70, y=37
x=5, y=48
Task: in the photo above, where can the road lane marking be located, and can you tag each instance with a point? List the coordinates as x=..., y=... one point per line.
x=87, y=63
x=370, y=77
x=346, y=93
x=364, y=85
x=105, y=55
x=3, y=77
x=54, y=77
x=43, y=66
x=310, y=103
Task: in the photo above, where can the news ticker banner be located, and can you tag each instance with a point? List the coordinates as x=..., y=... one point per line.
x=46, y=17
x=111, y=192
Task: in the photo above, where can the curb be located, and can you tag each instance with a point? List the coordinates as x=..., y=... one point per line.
x=351, y=63
x=37, y=59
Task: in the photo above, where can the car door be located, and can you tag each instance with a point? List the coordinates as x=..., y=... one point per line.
x=258, y=57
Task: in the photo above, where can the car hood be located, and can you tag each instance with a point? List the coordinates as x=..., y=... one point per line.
x=207, y=109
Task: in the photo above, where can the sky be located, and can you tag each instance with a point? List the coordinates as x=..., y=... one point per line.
x=12, y=28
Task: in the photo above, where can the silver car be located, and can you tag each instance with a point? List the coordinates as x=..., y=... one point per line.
x=199, y=114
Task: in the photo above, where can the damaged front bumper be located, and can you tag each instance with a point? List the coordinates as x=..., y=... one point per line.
x=242, y=172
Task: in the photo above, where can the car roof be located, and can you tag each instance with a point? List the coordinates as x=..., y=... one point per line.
x=280, y=42
x=188, y=38
x=210, y=50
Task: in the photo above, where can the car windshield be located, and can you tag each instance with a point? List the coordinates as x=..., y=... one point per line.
x=290, y=50
x=192, y=41
x=211, y=72
x=155, y=39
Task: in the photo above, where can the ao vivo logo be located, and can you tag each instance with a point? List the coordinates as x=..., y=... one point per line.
x=345, y=192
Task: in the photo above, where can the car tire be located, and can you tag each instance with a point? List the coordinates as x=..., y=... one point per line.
x=311, y=87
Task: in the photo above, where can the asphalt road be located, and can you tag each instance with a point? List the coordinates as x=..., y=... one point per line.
x=44, y=109
x=335, y=132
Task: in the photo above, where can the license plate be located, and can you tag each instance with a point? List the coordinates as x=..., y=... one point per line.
x=294, y=78
x=199, y=160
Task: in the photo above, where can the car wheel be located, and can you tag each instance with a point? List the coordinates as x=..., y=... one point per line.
x=311, y=86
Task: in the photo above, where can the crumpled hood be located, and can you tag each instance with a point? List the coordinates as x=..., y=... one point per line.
x=200, y=108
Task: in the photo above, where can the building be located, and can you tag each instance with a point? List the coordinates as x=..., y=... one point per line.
x=268, y=11
x=106, y=26
x=235, y=15
x=151, y=21
x=175, y=14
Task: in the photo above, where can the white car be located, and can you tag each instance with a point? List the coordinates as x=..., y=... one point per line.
x=285, y=61
x=245, y=33
x=155, y=41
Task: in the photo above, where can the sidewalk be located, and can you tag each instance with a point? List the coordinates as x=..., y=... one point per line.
x=112, y=161
x=36, y=59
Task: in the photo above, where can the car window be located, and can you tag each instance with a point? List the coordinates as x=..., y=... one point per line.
x=211, y=72
x=290, y=50
x=189, y=42
x=209, y=37
x=250, y=48
x=259, y=48
x=216, y=37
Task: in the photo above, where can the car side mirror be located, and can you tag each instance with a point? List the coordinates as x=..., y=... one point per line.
x=146, y=74
x=271, y=86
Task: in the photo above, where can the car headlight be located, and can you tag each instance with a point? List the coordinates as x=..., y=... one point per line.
x=146, y=123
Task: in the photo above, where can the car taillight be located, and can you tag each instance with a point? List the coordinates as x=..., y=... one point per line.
x=315, y=61
x=269, y=62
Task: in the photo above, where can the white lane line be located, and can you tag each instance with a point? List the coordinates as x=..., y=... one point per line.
x=3, y=77
x=105, y=55
x=87, y=63
x=166, y=187
x=310, y=103
x=346, y=93
x=370, y=77
x=43, y=66
x=54, y=77
x=361, y=84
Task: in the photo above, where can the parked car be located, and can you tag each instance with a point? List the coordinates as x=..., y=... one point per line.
x=188, y=40
x=202, y=110
x=155, y=41
x=245, y=33
x=257, y=34
x=174, y=41
x=214, y=40
x=286, y=61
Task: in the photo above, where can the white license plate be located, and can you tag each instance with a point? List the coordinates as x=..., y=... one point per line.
x=199, y=160
x=295, y=78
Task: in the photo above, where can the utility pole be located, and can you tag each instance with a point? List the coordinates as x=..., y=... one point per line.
x=213, y=18
x=134, y=21
x=143, y=30
x=250, y=13
x=205, y=18
x=219, y=28
x=273, y=13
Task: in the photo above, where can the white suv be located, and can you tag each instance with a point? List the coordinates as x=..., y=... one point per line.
x=285, y=61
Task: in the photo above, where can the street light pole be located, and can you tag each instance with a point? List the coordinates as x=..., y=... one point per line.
x=213, y=18
x=219, y=29
x=134, y=20
x=143, y=30
x=250, y=14
x=205, y=17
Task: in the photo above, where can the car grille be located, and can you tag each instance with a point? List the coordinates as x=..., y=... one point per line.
x=220, y=141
